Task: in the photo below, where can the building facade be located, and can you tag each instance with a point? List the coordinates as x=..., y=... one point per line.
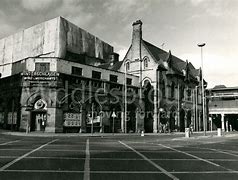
x=222, y=108
x=57, y=77
x=171, y=86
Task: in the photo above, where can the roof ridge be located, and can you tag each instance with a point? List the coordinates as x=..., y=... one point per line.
x=154, y=46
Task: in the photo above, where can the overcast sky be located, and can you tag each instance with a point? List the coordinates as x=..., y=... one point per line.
x=179, y=24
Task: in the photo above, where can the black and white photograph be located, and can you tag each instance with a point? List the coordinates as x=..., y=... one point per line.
x=118, y=89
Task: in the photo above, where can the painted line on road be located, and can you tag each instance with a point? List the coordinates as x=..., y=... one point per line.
x=25, y=155
x=124, y=172
x=87, y=162
x=196, y=157
x=67, y=150
x=151, y=162
x=224, y=152
x=217, y=150
x=9, y=142
x=117, y=159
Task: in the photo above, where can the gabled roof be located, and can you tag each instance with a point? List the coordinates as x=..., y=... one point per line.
x=176, y=65
x=155, y=51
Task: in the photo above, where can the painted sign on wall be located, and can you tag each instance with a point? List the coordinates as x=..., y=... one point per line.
x=72, y=119
x=42, y=76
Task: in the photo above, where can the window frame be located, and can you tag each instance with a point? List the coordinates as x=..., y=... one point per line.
x=76, y=68
x=95, y=74
x=146, y=61
x=40, y=65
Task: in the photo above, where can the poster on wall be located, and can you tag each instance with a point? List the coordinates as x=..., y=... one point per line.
x=95, y=120
x=72, y=119
x=10, y=119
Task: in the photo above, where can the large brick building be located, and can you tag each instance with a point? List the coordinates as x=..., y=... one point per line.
x=172, y=87
x=57, y=77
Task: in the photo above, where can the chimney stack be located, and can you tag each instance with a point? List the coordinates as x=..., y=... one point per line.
x=136, y=39
x=114, y=57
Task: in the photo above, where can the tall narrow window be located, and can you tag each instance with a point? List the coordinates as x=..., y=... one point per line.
x=146, y=62
x=127, y=66
x=42, y=67
x=182, y=92
x=172, y=90
x=163, y=89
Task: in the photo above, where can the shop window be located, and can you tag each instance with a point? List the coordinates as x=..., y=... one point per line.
x=77, y=71
x=42, y=67
x=96, y=75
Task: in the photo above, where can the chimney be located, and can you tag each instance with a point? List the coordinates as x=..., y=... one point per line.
x=113, y=57
x=136, y=39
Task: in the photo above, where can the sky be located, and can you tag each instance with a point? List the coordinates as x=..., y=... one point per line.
x=178, y=24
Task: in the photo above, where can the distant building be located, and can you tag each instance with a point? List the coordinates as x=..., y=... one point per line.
x=171, y=86
x=223, y=107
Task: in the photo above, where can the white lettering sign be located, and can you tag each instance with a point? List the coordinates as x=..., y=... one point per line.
x=72, y=119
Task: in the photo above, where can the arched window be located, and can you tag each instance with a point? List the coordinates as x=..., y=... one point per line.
x=146, y=62
x=127, y=66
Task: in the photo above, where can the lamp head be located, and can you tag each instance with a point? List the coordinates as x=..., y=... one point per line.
x=201, y=45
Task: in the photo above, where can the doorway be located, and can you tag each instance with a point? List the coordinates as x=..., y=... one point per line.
x=38, y=121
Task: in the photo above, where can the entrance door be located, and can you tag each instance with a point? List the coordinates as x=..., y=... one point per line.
x=38, y=121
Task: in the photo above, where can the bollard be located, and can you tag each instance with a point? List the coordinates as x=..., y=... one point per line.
x=218, y=131
x=142, y=133
x=187, y=132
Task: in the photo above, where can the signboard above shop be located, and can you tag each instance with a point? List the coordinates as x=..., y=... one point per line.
x=40, y=76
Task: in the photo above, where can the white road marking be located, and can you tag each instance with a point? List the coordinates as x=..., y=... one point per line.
x=232, y=151
x=125, y=172
x=117, y=159
x=87, y=162
x=25, y=155
x=151, y=162
x=216, y=150
x=10, y=142
x=196, y=157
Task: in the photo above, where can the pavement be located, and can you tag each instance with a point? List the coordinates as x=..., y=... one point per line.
x=122, y=157
x=175, y=135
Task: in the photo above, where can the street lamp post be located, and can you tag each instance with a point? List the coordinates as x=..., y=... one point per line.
x=125, y=94
x=113, y=122
x=203, y=99
x=92, y=119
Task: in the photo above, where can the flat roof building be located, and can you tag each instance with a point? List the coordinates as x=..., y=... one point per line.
x=222, y=107
x=53, y=79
